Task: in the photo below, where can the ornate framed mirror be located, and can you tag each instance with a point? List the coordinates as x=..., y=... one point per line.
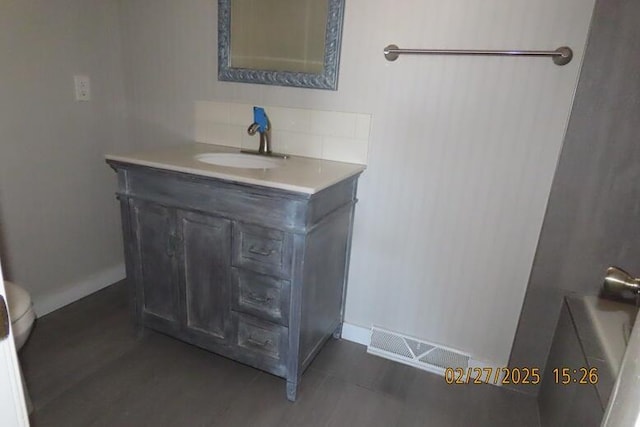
x=280, y=42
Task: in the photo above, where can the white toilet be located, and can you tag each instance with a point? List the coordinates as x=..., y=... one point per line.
x=20, y=312
x=22, y=317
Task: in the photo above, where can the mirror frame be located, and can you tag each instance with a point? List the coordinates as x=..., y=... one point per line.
x=327, y=79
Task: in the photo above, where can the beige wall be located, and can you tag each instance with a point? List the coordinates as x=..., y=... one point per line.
x=58, y=216
x=462, y=149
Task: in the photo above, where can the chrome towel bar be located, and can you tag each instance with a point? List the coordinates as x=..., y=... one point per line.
x=560, y=56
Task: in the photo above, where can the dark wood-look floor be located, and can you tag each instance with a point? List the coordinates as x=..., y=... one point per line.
x=84, y=367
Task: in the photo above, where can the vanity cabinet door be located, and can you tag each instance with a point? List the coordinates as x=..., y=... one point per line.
x=155, y=244
x=206, y=272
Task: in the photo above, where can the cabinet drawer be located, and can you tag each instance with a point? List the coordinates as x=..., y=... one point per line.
x=261, y=249
x=263, y=296
x=261, y=338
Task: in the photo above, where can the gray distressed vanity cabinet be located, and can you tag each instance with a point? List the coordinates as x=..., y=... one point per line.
x=253, y=273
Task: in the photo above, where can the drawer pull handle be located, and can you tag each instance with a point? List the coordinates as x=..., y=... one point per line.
x=261, y=252
x=257, y=298
x=258, y=343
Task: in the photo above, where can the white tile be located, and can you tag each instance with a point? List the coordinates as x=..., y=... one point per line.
x=240, y=114
x=311, y=133
x=289, y=119
x=345, y=150
x=250, y=142
x=218, y=133
x=363, y=126
x=332, y=123
x=212, y=111
x=297, y=144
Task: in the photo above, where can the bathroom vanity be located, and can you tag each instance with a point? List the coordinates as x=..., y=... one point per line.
x=247, y=263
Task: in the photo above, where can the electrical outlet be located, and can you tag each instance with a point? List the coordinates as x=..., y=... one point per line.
x=83, y=88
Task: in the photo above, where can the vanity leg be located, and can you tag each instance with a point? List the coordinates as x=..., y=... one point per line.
x=337, y=333
x=292, y=390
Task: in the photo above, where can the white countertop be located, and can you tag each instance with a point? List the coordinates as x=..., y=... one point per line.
x=299, y=174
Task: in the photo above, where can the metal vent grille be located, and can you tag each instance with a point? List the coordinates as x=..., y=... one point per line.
x=415, y=352
x=418, y=347
x=445, y=359
x=391, y=343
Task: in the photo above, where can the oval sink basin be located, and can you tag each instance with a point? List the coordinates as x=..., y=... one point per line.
x=237, y=160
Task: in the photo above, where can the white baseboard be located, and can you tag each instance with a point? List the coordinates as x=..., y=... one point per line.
x=74, y=291
x=355, y=333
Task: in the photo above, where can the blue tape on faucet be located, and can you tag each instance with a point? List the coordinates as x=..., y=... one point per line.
x=260, y=117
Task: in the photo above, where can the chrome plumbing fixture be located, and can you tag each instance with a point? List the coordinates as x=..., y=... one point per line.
x=619, y=282
x=262, y=125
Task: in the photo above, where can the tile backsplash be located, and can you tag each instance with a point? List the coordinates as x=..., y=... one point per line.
x=329, y=135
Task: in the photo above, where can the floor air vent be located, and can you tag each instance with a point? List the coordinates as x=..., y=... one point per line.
x=415, y=352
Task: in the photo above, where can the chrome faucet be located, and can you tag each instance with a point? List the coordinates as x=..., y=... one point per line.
x=261, y=124
x=265, y=136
